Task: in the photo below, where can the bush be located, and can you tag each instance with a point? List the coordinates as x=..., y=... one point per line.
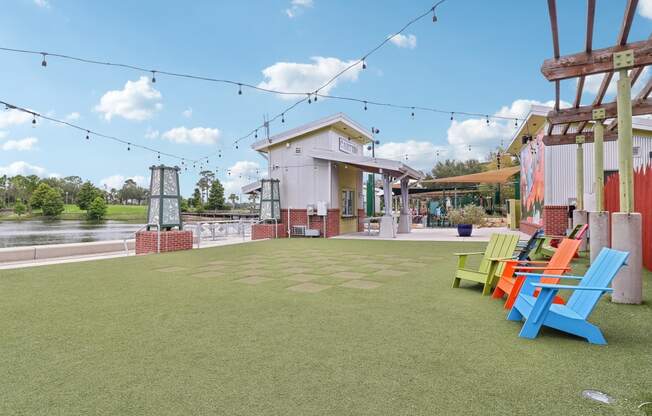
x=97, y=209
x=87, y=194
x=470, y=214
x=52, y=203
x=20, y=208
x=39, y=194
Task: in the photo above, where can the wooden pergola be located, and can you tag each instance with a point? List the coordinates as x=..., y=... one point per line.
x=610, y=121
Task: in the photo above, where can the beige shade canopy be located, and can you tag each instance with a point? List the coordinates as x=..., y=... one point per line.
x=491, y=176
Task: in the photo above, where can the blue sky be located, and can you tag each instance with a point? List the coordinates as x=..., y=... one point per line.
x=479, y=57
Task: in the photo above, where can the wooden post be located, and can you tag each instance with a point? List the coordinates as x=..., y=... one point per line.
x=622, y=62
x=579, y=173
x=598, y=159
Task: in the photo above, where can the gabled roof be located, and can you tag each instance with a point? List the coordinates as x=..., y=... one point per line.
x=339, y=121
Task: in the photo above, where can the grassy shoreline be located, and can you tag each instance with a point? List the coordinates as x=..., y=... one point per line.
x=135, y=213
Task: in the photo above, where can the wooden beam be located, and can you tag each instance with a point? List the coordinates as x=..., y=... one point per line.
x=596, y=62
x=574, y=115
x=626, y=25
x=642, y=95
x=552, y=11
x=560, y=139
x=590, y=17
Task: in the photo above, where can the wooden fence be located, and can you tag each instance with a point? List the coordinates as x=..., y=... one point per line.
x=642, y=204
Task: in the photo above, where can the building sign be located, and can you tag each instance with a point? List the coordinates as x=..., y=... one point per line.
x=347, y=147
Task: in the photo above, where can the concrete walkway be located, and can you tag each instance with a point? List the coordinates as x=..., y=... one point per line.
x=436, y=234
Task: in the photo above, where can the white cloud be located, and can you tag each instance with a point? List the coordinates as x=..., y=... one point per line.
x=197, y=135
x=297, y=6
x=420, y=154
x=21, y=168
x=151, y=133
x=3, y=134
x=116, y=181
x=73, y=116
x=592, y=84
x=14, y=117
x=645, y=8
x=187, y=113
x=483, y=137
x=138, y=100
x=298, y=77
x=242, y=173
x=404, y=41
x=43, y=3
x=27, y=143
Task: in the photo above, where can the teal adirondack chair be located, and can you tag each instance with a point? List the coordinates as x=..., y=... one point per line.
x=572, y=317
x=500, y=247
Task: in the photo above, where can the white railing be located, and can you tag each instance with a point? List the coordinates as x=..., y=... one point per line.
x=219, y=230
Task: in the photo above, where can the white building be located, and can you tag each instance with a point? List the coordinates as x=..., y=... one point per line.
x=320, y=165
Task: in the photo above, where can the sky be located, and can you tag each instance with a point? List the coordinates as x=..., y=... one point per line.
x=480, y=57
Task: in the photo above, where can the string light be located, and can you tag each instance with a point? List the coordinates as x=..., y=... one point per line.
x=87, y=133
x=364, y=64
x=128, y=147
x=33, y=119
x=487, y=119
x=153, y=77
x=239, y=89
x=452, y=116
x=158, y=156
x=365, y=106
x=412, y=112
x=44, y=63
x=283, y=118
x=309, y=100
x=256, y=134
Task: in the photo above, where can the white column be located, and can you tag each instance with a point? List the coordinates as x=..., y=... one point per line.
x=405, y=220
x=387, y=220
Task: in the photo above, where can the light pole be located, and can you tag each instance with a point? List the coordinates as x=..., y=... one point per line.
x=371, y=181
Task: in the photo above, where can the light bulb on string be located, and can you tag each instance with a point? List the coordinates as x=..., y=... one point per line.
x=487, y=119
x=315, y=96
x=364, y=64
x=239, y=89
x=434, y=15
x=452, y=116
x=158, y=156
x=236, y=146
x=128, y=147
x=515, y=122
x=309, y=100
x=469, y=148
x=282, y=117
x=256, y=134
x=87, y=137
x=153, y=77
x=412, y=112
x=365, y=106
x=44, y=63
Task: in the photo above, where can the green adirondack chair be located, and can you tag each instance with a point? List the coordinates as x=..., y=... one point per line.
x=500, y=247
x=544, y=248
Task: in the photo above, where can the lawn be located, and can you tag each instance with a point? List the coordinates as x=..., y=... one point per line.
x=72, y=212
x=227, y=331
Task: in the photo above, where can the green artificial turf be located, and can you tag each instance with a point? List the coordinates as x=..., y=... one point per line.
x=178, y=333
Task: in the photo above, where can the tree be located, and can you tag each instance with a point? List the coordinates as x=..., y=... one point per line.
x=195, y=200
x=132, y=192
x=253, y=197
x=204, y=184
x=216, y=196
x=96, y=209
x=87, y=193
x=450, y=168
x=39, y=194
x=184, y=205
x=52, y=204
x=19, y=208
x=233, y=198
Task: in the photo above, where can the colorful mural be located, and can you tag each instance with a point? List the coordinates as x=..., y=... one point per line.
x=532, y=180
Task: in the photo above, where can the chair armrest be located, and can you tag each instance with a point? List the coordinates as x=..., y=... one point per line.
x=571, y=287
x=541, y=268
x=549, y=275
x=475, y=253
x=501, y=259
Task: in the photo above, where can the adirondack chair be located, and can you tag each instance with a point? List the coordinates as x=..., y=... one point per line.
x=572, y=317
x=545, y=249
x=529, y=246
x=500, y=247
x=510, y=285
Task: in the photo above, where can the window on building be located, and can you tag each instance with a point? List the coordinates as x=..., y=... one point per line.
x=347, y=203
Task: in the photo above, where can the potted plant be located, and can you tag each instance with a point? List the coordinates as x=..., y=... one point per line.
x=465, y=218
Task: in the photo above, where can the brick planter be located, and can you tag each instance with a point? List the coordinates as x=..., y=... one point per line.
x=175, y=240
x=555, y=219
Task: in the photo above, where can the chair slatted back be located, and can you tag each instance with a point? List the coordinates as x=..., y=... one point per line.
x=602, y=271
x=562, y=258
x=531, y=243
x=500, y=246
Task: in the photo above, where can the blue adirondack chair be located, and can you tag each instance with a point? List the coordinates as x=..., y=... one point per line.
x=572, y=317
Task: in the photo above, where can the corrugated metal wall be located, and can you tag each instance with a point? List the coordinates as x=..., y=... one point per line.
x=560, y=168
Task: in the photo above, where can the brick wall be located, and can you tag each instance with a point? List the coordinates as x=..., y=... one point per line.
x=299, y=217
x=555, y=219
x=361, y=217
x=262, y=231
x=175, y=240
x=528, y=227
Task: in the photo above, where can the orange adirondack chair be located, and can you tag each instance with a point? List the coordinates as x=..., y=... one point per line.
x=510, y=285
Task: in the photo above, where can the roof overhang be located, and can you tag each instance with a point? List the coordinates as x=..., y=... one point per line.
x=534, y=121
x=369, y=164
x=339, y=121
x=251, y=187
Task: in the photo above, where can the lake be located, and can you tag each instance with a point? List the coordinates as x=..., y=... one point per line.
x=39, y=232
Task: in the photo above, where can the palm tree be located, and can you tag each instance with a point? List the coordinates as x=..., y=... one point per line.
x=233, y=198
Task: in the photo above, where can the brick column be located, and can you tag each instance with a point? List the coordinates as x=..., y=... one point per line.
x=555, y=219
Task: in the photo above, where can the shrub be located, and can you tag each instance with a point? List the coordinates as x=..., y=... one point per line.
x=38, y=196
x=20, y=208
x=97, y=209
x=87, y=194
x=52, y=203
x=470, y=214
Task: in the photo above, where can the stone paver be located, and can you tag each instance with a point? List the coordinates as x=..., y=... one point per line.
x=309, y=287
x=361, y=284
x=171, y=269
x=301, y=277
x=348, y=275
x=254, y=280
x=389, y=273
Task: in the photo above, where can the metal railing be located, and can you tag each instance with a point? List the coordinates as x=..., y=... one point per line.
x=219, y=230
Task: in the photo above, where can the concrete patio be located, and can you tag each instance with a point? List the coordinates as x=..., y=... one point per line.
x=436, y=234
